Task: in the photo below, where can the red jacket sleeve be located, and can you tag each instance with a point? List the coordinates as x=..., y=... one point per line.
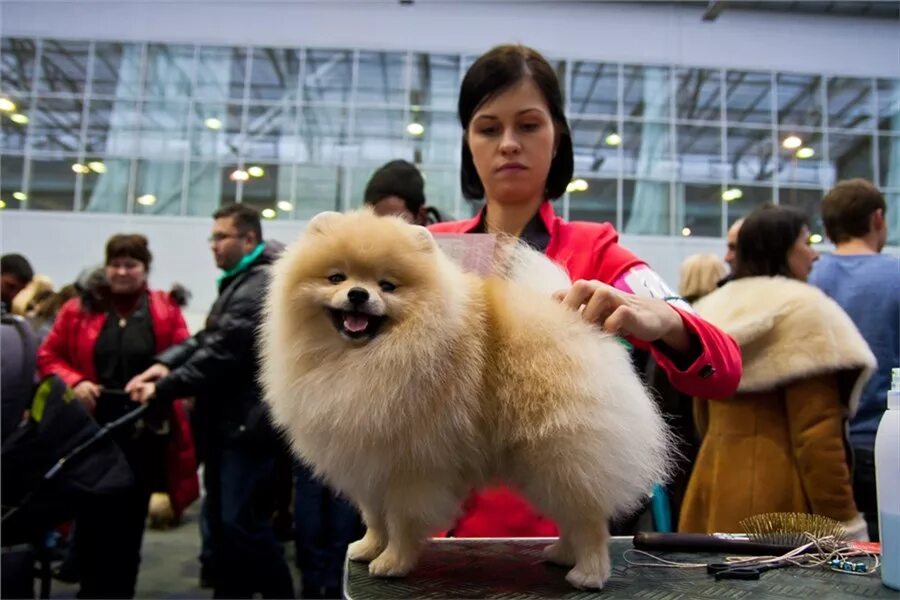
x=715, y=373
x=53, y=355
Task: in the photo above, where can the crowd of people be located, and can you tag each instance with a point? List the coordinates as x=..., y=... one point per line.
x=758, y=433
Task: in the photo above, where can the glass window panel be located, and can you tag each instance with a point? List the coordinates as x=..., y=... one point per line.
x=56, y=125
x=645, y=207
x=319, y=188
x=157, y=187
x=359, y=178
x=63, y=67
x=751, y=197
x=893, y=216
x=647, y=150
x=213, y=74
x=228, y=193
x=596, y=146
x=13, y=139
x=700, y=208
x=272, y=133
x=799, y=99
x=646, y=92
x=52, y=185
x=206, y=184
x=11, y=179
x=238, y=74
x=116, y=71
x=699, y=151
x=595, y=88
x=889, y=161
x=699, y=94
x=850, y=103
x=163, y=131
x=440, y=143
x=16, y=64
x=850, y=156
x=381, y=78
x=749, y=155
x=215, y=128
x=807, y=200
x=328, y=76
x=434, y=80
x=748, y=97
x=441, y=190
x=275, y=74
x=169, y=71
x=597, y=203
x=107, y=191
x=889, y=105
x=264, y=191
x=793, y=168
x=380, y=135
x=112, y=127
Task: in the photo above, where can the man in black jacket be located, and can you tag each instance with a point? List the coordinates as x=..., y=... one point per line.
x=219, y=367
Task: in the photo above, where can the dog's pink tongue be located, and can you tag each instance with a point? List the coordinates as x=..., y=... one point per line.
x=355, y=322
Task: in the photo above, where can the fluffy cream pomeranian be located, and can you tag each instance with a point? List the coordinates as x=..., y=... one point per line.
x=407, y=383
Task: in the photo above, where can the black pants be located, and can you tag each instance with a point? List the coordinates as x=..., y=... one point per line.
x=864, y=491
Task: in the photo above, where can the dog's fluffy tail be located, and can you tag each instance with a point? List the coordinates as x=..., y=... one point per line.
x=523, y=265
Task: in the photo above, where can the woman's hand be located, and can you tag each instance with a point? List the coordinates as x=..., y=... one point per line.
x=646, y=319
x=143, y=393
x=153, y=373
x=87, y=393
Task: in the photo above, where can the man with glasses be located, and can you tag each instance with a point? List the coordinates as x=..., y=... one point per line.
x=219, y=366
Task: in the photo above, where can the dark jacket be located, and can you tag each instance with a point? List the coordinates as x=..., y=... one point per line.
x=219, y=364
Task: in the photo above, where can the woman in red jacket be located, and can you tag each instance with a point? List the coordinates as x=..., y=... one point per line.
x=517, y=155
x=97, y=344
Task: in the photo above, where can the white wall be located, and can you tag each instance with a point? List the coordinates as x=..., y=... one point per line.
x=606, y=31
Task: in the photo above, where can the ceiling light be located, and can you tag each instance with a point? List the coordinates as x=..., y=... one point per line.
x=791, y=142
x=2, y=204
x=18, y=118
x=579, y=185
x=80, y=168
x=805, y=152
x=815, y=238
x=613, y=139
x=7, y=105
x=686, y=231
x=732, y=194
x=255, y=171
x=268, y=213
x=239, y=175
x=415, y=129
x=285, y=206
x=20, y=196
x=146, y=200
x=97, y=166
x=213, y=123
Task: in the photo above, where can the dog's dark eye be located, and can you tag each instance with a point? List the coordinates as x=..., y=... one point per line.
x=337, y=278
x=387, y=286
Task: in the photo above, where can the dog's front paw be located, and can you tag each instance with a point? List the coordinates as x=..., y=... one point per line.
x=591, y=578
x=560, y=553
x=364, y=550
x=390, y=564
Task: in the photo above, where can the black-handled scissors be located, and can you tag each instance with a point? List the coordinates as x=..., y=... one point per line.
x=742, y=571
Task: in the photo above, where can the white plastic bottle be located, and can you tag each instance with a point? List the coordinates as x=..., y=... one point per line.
x=887, y=478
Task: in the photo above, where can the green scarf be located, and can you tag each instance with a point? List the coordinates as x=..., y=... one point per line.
x=243, y=264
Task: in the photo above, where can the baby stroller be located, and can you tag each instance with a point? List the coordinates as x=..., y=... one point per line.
x=54, y=457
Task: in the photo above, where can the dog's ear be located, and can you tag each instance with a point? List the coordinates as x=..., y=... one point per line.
x=424, y=239
x=322, y=221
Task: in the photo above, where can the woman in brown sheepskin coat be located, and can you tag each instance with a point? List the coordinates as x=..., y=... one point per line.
x=778, y=445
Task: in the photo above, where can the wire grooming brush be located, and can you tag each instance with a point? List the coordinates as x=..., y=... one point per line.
x=791, y=529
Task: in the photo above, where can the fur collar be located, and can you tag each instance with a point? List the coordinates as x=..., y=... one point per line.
x=787, y=330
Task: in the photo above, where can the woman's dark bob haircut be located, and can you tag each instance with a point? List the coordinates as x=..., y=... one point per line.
x=765, y=239
x=492, y=74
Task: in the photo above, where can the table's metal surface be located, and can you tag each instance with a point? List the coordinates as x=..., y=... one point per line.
x=513, y=569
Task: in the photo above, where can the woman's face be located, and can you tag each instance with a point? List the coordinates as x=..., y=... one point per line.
x=801, y=256
x=125, y=275
x=513, y=140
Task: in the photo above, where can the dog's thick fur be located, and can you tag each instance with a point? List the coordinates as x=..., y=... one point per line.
x=469, y=381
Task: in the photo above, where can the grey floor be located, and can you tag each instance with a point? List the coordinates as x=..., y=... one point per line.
x=169, y=567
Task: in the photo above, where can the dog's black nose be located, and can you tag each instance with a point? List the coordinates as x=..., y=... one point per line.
x=358, y=295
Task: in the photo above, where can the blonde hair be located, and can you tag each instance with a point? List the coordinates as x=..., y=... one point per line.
x=38, y=285
x=699, y=275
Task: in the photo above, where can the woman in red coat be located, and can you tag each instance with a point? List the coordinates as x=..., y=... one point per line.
x=517, y=155
x=97, y=344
